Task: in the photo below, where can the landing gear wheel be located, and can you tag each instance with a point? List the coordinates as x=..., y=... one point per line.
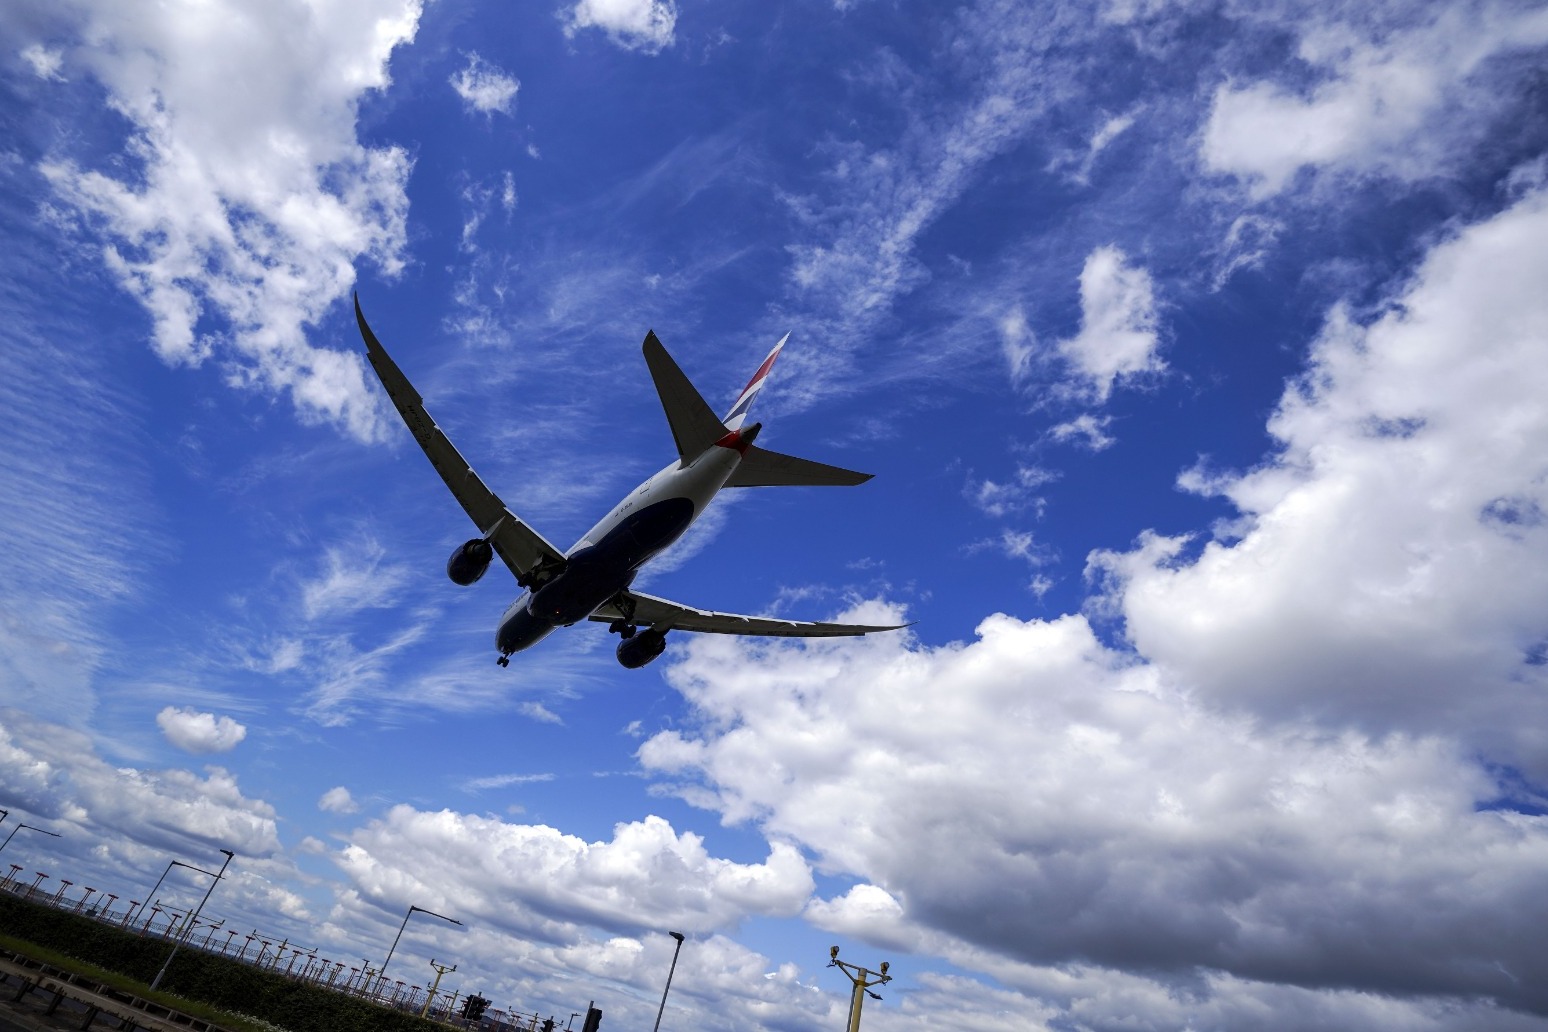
x=622, y=628
x=503, y=661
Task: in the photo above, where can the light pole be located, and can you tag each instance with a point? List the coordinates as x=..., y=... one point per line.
x=178, y=863
x=440, y=969
x=863, y=982
x=28, y=827
x=679, y=948
x=179, y=944
x=404, y=925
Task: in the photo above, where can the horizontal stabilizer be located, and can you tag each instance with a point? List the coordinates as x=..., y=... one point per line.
x=694, y=424
x=763, y=468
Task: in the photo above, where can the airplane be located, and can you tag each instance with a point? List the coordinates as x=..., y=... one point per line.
x=591, y=581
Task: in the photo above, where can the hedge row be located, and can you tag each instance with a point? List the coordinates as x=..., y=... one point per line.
x=196, y=975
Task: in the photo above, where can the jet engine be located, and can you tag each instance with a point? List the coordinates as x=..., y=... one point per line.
x=645, y=646
x=468, y=563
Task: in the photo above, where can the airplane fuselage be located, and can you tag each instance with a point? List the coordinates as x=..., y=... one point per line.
x=607, y=558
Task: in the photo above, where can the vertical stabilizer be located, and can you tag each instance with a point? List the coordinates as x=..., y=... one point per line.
x=738, y=414
x=693, y=422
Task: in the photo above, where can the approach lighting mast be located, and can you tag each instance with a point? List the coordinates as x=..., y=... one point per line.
x=863, y=981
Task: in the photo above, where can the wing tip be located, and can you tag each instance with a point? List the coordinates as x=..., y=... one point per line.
x=372, y=344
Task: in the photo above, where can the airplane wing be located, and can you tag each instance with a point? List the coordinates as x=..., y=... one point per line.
x=528, y=554
x=650, y=611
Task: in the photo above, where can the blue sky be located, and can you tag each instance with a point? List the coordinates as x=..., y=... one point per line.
x=1198, y=350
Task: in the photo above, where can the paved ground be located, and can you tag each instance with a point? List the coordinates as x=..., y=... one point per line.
x=26, y=1015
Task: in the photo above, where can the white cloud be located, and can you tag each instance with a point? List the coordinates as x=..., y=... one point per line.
x=1081, y=162
x=484, y=87
x=355, y=578
x=859, y=255
x=243, y=212
x=338, y=800
x=503, y=781
x=76, y=459
x=1117, y=337
x=1085, y=431
x=56, y=772
x=528, y=878
x=1397, y=104
x=539, y=712
x=644, y=25
x=45, y=62
x=1115, y=821
x=197, y=732
x=1392, y=567
x=1017, y=343
x=1000, y=499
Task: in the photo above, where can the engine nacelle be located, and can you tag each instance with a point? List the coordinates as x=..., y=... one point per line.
x=645, y=646
x=468, y=563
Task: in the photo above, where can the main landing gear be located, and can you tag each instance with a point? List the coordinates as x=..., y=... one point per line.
x=504, y=660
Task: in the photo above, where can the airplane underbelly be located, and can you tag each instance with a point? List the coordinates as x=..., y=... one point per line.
x=643, y=534
x=520, y=629
x=593, y=575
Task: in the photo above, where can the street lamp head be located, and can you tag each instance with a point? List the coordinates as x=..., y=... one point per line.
x=832, y=954
x=884, y=969
x=229, y=854
x=676, y=935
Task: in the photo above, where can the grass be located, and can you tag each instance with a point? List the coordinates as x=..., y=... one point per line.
x=44, y=955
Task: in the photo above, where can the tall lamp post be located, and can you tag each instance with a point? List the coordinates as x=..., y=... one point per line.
x=863, y=982
x=171, y=864
x=404, y=925
x=678, y=949
x=28, y=827
x=184, y=937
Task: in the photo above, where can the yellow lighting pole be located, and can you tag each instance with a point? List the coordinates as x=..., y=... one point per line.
x=863, y=982
x=440, y=969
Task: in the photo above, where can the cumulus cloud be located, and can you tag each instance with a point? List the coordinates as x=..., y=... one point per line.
x=644, y=25
x=1117, y=335
x=534, y=879
x=484, y=87
x=56, y=772
x=236, y=215
x=197, y=732
x=1395, y=104
x=1115, y=820
x=1392, y=562
x=338, y=800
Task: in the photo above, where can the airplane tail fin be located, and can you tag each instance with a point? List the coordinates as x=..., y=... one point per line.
x=738, y=414
x=693, y=422
x=695, y=428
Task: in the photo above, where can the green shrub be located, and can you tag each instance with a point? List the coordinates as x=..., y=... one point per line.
x=195, y=975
